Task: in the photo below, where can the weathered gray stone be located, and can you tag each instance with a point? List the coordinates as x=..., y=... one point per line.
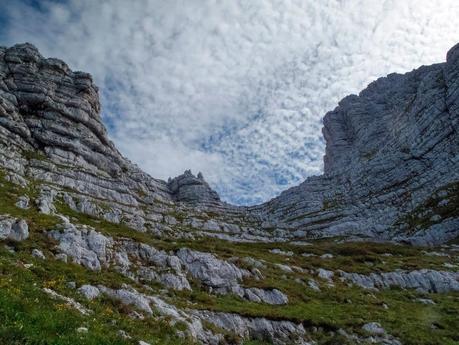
x=278, y=332
x=253, y=262
x=425, y=301
x=379, y=170
x=281, y=252
x=423, y=280
x=373, y=328
x=23, y=202
x=38, y=254
x=175, y=281
x=59, y=113
x=46, y=199
x=61, y=257
x=284, y=268
x=224, y=277
x=123, y=334
x=189, y=188
x=69, y=301
x=129, y=296
x=13, y=229
x=273, y=296
x=89, y=291
x=210, y=270
x=325, y=274
x=313, y=285
x=391, y=173
x=85, y=246
x=19, y=231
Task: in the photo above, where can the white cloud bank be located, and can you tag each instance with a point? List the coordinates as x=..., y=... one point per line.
x=235, y=89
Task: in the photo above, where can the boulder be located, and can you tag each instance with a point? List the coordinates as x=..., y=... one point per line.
x=325, y=274
x=175, y=281
x=194, y=189
x=89, y=291
x=84, y=245
x=45, y=201
x=13, y=229
x=209, y=270
x=38, y=254
x=274, y=296
x=23, y=202
x=373, y=328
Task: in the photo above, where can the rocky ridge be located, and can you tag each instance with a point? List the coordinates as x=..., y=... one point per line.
x=390, y=176
x=390, y=151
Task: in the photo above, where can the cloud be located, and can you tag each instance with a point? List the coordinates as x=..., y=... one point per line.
x=235, y=89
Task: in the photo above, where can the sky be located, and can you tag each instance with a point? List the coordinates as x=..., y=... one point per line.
x=236, y=89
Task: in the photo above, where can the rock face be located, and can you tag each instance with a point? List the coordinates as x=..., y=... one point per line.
x=144, y=263
x=13, y=229
x=86, y=246
x=422, y=280
x=52, y=108
x=279, y=332
x=391, y=163
x=89, y=291
x=224, y=277
x=276, y=332
x=210, y=270
x=193, y=189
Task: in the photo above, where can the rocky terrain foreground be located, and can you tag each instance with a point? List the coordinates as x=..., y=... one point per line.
x=95, y=251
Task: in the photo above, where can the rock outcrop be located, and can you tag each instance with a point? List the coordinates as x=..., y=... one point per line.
x=278, y=332
x=142, y=262
x=13, y=229
x=424, y=280
x=193, y=189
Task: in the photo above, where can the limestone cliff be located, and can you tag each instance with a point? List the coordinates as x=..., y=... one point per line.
x=391, y=163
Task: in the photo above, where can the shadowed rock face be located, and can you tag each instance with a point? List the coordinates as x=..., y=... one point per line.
x=194, y=189
x=391, y=162
x=54, y=109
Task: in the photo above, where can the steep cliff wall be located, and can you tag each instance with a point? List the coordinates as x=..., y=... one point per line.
x=391, y=163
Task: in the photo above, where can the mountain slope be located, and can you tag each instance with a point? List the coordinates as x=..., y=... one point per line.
x=95, y=251
x=390, y=150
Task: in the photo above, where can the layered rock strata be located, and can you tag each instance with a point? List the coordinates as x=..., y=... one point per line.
x=391, y=163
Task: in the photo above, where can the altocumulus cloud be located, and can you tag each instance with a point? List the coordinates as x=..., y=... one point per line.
x=235, y=89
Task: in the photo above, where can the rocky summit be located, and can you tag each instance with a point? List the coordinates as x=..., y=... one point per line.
x=96, y=251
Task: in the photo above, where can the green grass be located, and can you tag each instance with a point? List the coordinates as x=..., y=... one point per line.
x=28, y=316
x=421, y=216
x=342, y=306
x=350, y=308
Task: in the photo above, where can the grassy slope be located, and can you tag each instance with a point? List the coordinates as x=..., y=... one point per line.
x=27, y=316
